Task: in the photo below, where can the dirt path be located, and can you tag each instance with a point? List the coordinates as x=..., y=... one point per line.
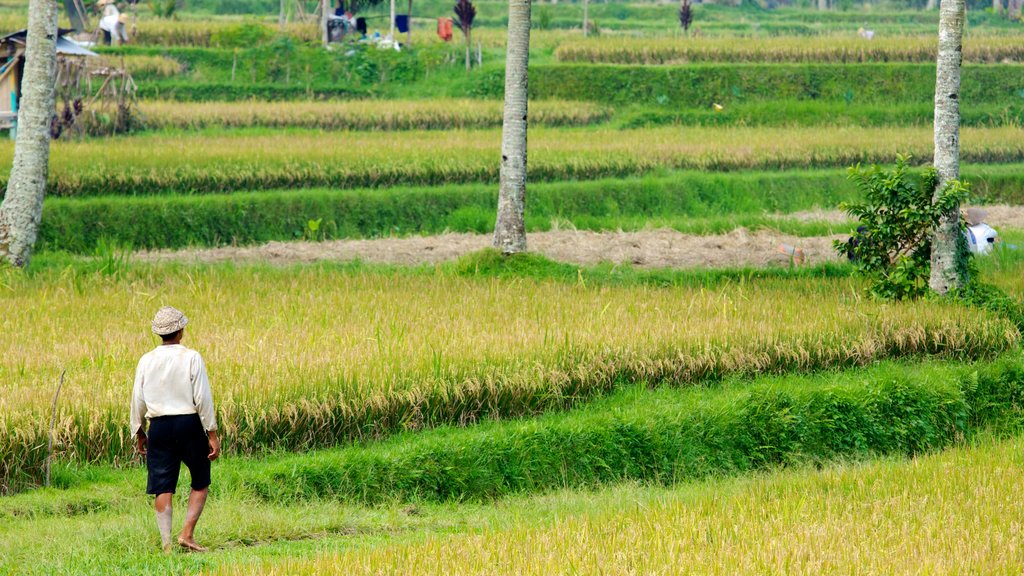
x=655, y=249
x=650, y=248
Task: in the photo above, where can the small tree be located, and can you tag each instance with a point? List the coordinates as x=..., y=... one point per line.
x=686, y=16
x=892, y=245
x=466, y=12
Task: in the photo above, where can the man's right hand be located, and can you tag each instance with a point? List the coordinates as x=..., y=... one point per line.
x=140, y=444
x=214, y=445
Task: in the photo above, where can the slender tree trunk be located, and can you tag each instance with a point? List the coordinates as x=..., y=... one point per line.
x=997, y=6
x=946, y=275
x=325, y=11
x=510, y=228
x=930, y=5
x=469, y=49
x=408, y=24
x=391, y=29
x=822, y=5
x=22, y=208
x=586, y=19
x=282, y=16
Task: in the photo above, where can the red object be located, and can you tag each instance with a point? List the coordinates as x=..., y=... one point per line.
x=444, y=29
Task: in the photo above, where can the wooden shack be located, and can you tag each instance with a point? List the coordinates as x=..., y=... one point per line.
x=12, y=54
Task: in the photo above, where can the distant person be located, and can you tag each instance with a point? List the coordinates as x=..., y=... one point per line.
x=109, y=21
x=340, y=10
x=172, y=391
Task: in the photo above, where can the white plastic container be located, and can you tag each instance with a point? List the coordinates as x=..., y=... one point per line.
x=981, y=238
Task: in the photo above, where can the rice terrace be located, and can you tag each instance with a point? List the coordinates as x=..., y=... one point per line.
x=512, y=287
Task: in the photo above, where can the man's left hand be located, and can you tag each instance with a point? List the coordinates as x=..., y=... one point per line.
x=140, y=444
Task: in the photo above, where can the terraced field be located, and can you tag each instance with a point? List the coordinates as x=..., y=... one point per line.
x=479, y=414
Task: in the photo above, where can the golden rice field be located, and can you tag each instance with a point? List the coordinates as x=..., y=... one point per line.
x=313, y=356
x=212, y=162
x=154, y=66
x=956, y=512
x=435, y=114
x=838, y=49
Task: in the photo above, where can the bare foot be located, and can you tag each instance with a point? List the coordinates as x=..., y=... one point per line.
x=191, y=545
x=167, y=548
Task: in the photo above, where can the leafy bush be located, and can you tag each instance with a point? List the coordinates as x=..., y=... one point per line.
x=892, y=246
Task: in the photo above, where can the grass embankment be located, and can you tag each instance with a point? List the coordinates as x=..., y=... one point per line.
x=317, y=356
x=824, y=114
x=668, y=435
x=363, y=115
x=844, y=50
x=664, y=436
x=207, y=162
x=956, y=511
x=690, y=202
x=696, y=85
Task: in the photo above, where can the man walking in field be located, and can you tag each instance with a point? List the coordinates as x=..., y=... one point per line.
x=172, y=391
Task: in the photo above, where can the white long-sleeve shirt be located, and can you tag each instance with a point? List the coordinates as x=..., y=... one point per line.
x=172, y=380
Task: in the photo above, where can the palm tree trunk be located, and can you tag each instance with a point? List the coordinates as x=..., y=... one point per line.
x=22, y=207
x=997, y=6
x=586, y=18
x=408, y=24
x=930, y=5
x=946, y=275
x=822, y=5
x=469, y=42
x=510, y=228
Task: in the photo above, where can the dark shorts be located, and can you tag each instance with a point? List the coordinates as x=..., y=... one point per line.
x=173, y=440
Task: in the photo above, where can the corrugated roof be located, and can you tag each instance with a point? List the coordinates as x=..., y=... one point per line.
x=65, y=46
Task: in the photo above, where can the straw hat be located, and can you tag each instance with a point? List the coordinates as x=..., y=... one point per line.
x=123, y=18
x=102, y=3
x=168, y=320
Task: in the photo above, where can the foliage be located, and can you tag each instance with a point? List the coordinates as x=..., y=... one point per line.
x=685, y=16
x=892, y=245
x=465, y=12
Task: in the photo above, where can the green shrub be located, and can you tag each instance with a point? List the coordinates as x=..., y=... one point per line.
x=892, y=245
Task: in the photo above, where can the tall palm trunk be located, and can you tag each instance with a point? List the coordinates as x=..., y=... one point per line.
x=22, y=207
x=930, y=5
x=997, y=6
x=469, y=42
x=510, y=228
x=408, y=25
x=586, y=18
x=946, y=275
